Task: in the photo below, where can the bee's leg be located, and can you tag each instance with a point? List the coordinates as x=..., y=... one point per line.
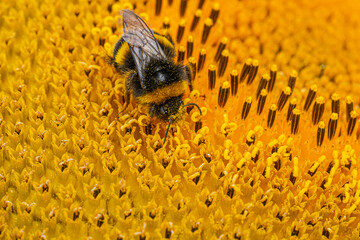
x=189, y=76
x=152, y=110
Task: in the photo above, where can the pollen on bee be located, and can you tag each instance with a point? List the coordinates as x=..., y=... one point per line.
x=202, y=58
x=351, y=122
x=223, y=62
x=234, y=78
x=206, y=31
x=224, y=93
x=221, y=48
x=181, y=30
x=295, y=119
x=246, y=108
x=253, y=71
x=212, y=76
x=273, y=73
x=318, y=109
x=310, y=97
x=284, y=96
x=196, y=19
x=245, y=70
x=332, y=125
x=320, y=133
x=271, y=115
x=292, y=106
x=262, y=84
x=292, y=80
x=335, y=103
x=189, y=46
x=349, y=107
x=181, y=54
x=261, y=101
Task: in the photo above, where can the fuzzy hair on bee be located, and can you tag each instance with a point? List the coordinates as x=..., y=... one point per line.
x=146, y=60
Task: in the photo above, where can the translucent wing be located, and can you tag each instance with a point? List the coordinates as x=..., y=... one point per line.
x=142, y=42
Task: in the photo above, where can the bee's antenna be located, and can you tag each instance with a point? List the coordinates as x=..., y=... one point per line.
x=193, y=104
x=167, y=130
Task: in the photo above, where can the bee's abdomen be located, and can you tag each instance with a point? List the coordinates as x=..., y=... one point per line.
x=162, y=94
x=166, y=44
x=122, y=58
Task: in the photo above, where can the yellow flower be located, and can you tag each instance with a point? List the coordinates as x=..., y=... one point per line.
x=274, y=154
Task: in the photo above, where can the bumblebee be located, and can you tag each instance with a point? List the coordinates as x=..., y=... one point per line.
x=146, y=59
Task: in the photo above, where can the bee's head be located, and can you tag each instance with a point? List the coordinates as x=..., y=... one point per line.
x=170, y=107
x=171, y=111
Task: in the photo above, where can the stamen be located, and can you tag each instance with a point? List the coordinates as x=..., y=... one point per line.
x=224, y=93
x=181, y=30
x=198, y=126
x=285, y=94
x=193, y=104
x=292, y=106
x=170, y=2
x=273, y=72
x=320, y=133
x=201, y=3
x=295, y=119
x=246, y=108
x=181, y=54
x=158, y=7
x=189, y=46
x=212, y=76
x=318, y=109
x=148, y=129
x=202, y=58
x=250, y=138
x=196, y=19
x=183, y=5
x=295, y=173
x=253, y=71
x=310, y=97
x=262, y=84
x=234, y=76
x=261, y=102
x=166, y=23
x=292, y=80
x=332, y=125
x=315, y=166
x=215, y=12
x=335, y=103
x=206, y=31
x=221, y=48
x=192, y=64
x=349, y=107
x=352, y=122
x=271, y=115
x=167, y=129
x=223, y=62
x=245, y=70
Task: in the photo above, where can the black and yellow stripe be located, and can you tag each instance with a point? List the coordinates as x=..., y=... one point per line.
x=124, y=63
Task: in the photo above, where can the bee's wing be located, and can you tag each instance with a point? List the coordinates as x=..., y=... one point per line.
x=142, y=42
